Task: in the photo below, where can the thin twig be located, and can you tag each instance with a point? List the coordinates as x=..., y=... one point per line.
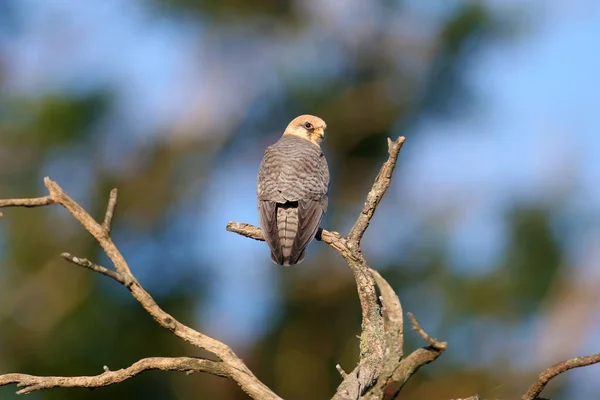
x=382, y=182
x=31, y=383
x=33, y=202
x=415, y=360
x=247, y=230
x=536, y=389
x=110, y=210
x=440, y=346
x=343, y=373
x=84, y=262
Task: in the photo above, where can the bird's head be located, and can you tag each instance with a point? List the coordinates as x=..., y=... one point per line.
x=307, y=127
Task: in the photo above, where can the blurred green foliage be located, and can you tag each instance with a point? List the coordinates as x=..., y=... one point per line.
x=62, y=121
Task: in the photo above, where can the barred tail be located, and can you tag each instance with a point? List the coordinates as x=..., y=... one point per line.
x=287, y=227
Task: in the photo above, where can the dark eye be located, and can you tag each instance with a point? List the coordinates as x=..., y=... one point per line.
x=308, y=125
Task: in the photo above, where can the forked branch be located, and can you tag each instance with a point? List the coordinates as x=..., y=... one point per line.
x=30, y=383
x=228, y=364
x=382, y=362
x=545, y=377
x=84, y=262
x=381, y=338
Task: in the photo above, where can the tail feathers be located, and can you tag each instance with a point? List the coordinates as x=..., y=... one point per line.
x=287, y=262
x=287, y=230
x=287, y=227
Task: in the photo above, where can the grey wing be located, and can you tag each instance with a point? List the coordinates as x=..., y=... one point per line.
x=323, y=173
x=268, y=176
x=267, y=213
x=311, y=210
x=310, y=214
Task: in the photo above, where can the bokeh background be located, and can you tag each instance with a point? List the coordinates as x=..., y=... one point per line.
x=490, y=232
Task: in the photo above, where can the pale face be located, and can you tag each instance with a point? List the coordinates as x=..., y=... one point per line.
x=307, y=127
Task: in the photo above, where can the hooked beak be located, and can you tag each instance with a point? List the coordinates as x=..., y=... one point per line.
x=320, y=133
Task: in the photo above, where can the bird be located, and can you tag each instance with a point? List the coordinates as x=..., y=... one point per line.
x=291, y=188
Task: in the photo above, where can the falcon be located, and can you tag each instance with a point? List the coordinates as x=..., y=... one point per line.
x=292, y=186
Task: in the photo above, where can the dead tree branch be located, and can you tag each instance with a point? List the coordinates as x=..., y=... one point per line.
x=84, y=262
x=536, y=389
x=434, y=343
x=382, y=183
x=382, y=369
x=36, y=202
x=231, y=365
x=31, y=383
x=110, y=210
x=392, y=315
x=381, y=338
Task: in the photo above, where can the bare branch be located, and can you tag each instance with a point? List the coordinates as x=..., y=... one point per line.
x=377, y=361
x=382, y=182
x=31, y=383
x=392, y=315
x=415, y=360
x=343, y=373
x=373, y=348
x=555, y=370
x=84, y=262
x=381, y=372
x=254, y=232
x=371, y=345
x=234, y=366
x=33, y=202
x=372, y=326
x=434, y=343
x=247, y=230
x=94, y=228
x=110, y=210
x=391, y=310
x=411, y=364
